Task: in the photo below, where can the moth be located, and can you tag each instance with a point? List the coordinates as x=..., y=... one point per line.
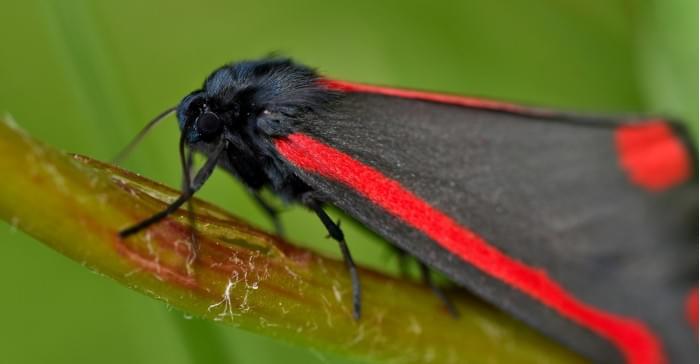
x=582, y=226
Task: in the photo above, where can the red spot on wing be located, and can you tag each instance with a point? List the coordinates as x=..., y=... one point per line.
x=473, y=102
x=691, y=309
x=652, y=155
x=631, y=337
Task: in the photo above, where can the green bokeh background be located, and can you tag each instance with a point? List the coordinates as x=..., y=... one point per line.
x=85, y=76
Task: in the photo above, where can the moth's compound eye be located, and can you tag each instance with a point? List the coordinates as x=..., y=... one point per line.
x=189, y=108
x=209, y=124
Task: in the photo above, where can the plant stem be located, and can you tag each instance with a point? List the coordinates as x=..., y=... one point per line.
x=243, y=277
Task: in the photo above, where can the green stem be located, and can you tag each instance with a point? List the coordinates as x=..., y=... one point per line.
x=243, y=277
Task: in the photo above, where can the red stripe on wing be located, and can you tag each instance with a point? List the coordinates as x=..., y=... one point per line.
x=479, y=103
x=652, y=155
x=631, y=337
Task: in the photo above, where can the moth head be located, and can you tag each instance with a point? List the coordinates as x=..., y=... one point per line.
x=198, y=120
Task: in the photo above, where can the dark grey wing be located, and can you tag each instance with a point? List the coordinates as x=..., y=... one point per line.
x=550, y=194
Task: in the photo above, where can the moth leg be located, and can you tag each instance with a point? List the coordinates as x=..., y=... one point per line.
x=191, y=217
x=336, y=233
x=403, y=260
x=201, y=177
x=271, y=212
x=427, y=278
x=404, y=257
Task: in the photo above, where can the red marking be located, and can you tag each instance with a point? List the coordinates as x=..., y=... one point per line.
x=167, y=273
x=473, y=102
x=691, y=309
x=631, y=337
x=651, y=155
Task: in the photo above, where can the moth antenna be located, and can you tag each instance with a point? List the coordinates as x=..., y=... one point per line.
x=137, y=139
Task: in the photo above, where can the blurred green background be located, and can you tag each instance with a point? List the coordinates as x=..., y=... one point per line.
x=85, y=76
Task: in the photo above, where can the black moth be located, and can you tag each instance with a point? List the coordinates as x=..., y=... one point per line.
x=577, y=225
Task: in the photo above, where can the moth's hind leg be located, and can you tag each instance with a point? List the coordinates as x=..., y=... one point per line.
x=426, y=276
x=403, y=259
x=428, y=279
x=336, y=233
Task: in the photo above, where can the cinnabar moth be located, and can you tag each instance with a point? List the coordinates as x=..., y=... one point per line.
x=584, y=227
